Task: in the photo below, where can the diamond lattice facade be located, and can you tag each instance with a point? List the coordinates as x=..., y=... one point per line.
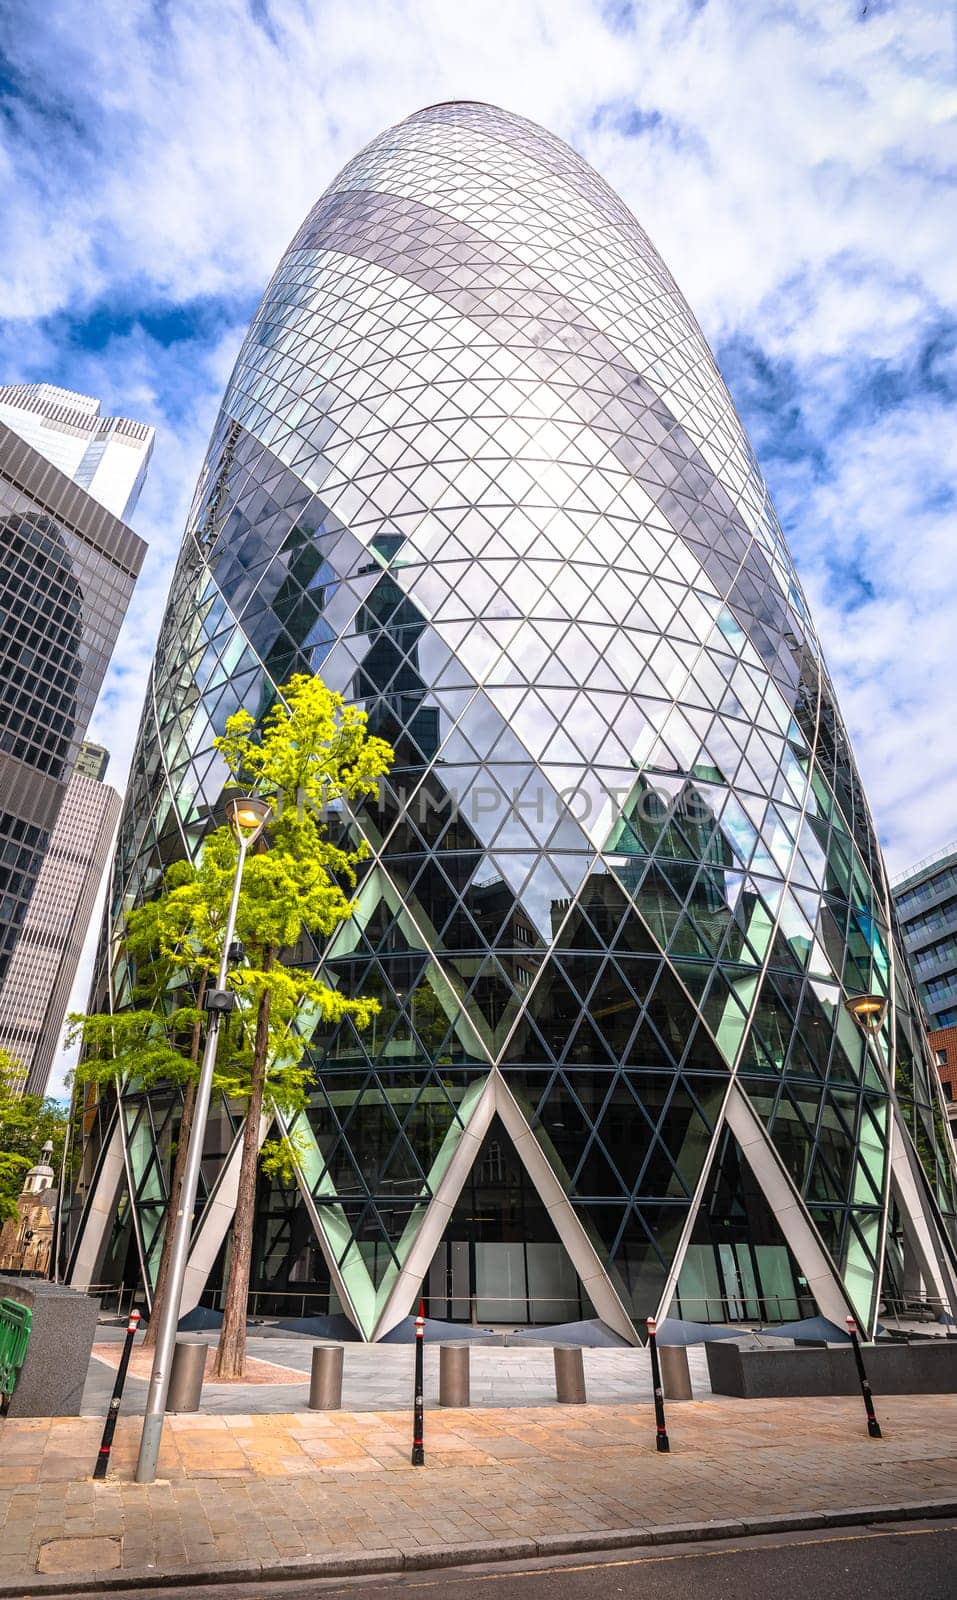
x=477, y=467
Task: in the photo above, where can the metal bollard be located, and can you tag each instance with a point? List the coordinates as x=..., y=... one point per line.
x=325, y=1387
x=453, y=1374
x=418, y=1396
x=186, y=1376
x=873, y=1426
x=661, y=1433
x=675, y=1373
x=109, y=1427
x=569, y=1375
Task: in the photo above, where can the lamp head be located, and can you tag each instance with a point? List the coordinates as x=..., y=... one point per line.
x=868, y=1011
x=247, y=816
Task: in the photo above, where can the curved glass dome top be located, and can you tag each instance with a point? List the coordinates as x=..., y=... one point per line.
x=477, y=467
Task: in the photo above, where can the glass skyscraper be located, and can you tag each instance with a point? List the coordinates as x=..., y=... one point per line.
x=67, y=570
x=476, y=466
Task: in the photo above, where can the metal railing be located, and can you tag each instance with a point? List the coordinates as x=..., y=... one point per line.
x=475, y=1299
x=112, y=1295
x=119, y=1301
x=285, y=1303
x=739, y=1307
x=924, y=1308
x=921, y=866
x=319, y=1303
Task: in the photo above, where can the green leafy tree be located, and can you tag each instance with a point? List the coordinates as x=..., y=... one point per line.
x=311, y=753
x=171, y=945
x=13, y=1170
x=27, y=1121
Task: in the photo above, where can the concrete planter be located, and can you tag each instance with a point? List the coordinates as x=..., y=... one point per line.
x=929, y=1367
x=58, y=1354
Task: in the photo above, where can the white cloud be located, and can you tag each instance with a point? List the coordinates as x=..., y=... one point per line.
x=892, y=651
x=793, y=165
x=202, y=137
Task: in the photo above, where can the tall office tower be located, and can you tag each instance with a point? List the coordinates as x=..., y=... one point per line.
x=624, y=899
x=92, y=760
x=106, y=456
x=926, y=902
x=925, y=898
x=36, y=991
x=67, y=570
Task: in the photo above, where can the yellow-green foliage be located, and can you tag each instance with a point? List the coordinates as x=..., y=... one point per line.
x=311, y=751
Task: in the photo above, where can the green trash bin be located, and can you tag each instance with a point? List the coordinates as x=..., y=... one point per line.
x=15, y=1323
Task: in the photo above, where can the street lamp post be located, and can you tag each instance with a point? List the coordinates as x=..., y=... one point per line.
x=868, y=1011
x=247, y=818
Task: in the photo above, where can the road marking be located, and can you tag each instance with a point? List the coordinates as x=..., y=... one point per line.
x=637, y=1561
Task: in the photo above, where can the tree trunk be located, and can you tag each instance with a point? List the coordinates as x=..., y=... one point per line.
x=176, y=1179
x=231, y=1354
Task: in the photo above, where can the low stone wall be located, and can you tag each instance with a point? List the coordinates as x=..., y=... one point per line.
x=58, y=1354
x=927, y=1367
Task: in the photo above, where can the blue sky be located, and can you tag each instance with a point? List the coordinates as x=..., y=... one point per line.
x=795, y=165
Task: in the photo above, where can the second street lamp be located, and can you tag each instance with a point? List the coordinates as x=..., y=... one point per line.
x=868, y=1011
x=247, y=816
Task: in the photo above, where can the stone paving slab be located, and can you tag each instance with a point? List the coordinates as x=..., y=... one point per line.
x=268, y=1490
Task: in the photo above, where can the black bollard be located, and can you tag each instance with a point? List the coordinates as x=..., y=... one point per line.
x=109, y=1427
x=418, y=1405
x=873, y=1426
x=661, y=1432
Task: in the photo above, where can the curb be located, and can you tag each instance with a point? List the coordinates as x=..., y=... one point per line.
x=429, y=1557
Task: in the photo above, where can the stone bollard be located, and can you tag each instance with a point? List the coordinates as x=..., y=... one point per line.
x=453, y=1374
x=186, y=1376
x=325, y=1388
x=675, y=1373
x=569, y=1375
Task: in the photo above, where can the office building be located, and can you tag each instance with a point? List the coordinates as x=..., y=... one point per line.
x=925, y=898
x=36, y=991
x=106, y=456
x=624, y=898
x=67, y=571
x=92, y=760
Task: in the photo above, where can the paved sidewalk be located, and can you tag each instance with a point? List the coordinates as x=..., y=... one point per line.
x=379, y=1377
x=257, y=1493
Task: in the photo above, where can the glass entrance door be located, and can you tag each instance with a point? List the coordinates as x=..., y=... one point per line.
x=501, y=1262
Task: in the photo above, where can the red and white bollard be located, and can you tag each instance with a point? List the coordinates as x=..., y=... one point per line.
x=418, y=1404
x=109, y=1428
x=661, y=1433
x=873, y=1426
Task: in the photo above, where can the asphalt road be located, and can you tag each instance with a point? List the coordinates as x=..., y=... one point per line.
x=909, y=1561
